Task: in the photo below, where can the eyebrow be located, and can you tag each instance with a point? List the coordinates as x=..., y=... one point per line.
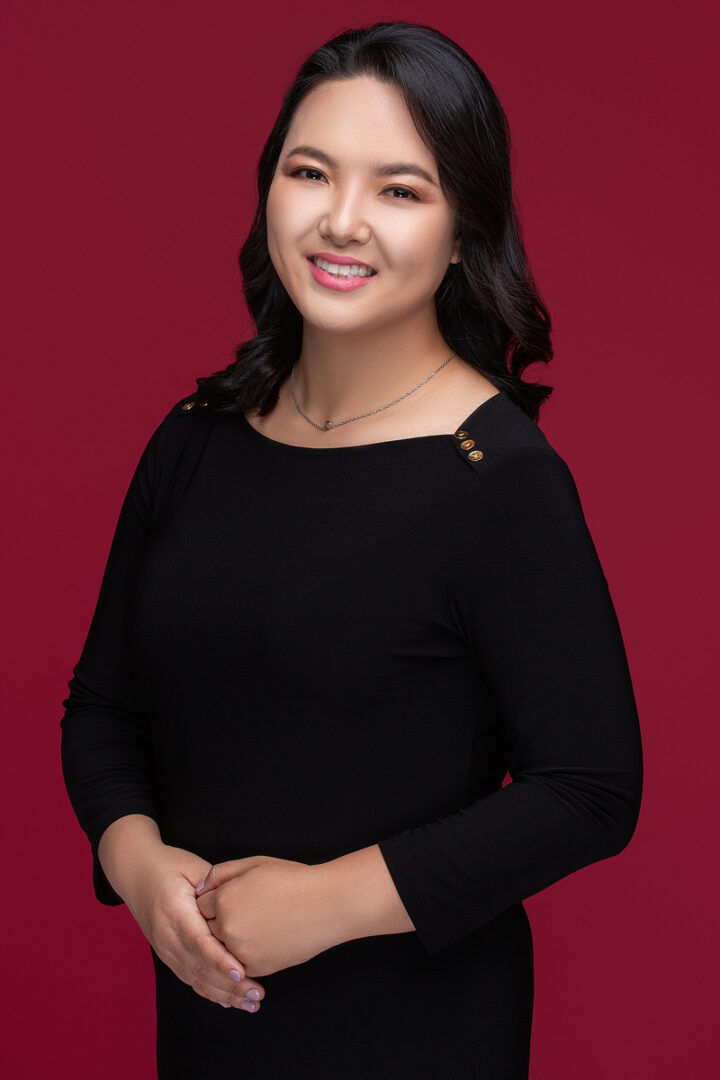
x=405, y=168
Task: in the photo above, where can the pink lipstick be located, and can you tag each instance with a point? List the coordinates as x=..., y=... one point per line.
x=334, y=281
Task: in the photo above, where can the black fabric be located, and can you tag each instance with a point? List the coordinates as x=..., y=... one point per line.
x=302, y=651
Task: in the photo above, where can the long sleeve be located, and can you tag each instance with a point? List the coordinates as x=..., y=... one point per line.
x=530, y=600
x=105, y=749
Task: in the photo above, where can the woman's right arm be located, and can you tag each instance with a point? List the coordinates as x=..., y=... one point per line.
x=107, y=765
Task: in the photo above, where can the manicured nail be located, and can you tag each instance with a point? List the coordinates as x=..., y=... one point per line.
x=234, y=974
x=249, y=1006
x=253, y=993
x=224, y=1004
x=200, y=887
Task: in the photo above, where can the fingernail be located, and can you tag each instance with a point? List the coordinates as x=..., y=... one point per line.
x=253, y=993
x=249, y=1006
x=224, y=1004
x=200, y=887
x=234, y=974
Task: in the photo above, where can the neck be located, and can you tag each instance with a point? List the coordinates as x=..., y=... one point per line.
x=340, y=375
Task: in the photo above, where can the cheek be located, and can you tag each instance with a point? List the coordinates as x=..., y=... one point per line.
x=277, y=234
x=279, y=214
x=287, y=215
x=423, y=247
x=275, y=256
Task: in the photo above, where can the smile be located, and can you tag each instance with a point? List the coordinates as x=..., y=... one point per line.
x=342, y=278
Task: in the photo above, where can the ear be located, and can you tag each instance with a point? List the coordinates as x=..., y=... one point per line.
x=456, y=251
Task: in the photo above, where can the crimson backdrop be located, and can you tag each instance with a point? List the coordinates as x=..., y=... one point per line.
x=131, y=145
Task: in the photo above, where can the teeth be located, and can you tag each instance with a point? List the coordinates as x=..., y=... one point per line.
x=355, y=270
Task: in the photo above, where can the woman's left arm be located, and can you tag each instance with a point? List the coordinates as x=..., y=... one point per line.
x=530, y=598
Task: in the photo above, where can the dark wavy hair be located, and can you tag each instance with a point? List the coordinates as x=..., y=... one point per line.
x=488, y=308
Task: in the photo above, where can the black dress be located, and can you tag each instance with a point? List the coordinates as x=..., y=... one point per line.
x=302, y=651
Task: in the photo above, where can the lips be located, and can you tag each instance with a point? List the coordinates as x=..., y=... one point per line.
x=338, y=281
x=341, y=260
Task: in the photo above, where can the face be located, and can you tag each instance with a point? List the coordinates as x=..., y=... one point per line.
x=354, y=194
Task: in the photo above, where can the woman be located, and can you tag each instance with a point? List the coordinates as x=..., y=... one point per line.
x=352, y=588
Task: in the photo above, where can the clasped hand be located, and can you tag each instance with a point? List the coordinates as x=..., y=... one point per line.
x=271, y=912
x=268, y=912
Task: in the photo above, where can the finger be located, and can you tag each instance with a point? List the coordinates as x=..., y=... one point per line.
x=200, y=952
x=245, y=993
x=207, y=904
x=243, y=996
x=212, y=963
x=222, y=872
x=248, y=998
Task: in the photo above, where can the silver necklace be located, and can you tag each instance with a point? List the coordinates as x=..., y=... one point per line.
x=329, y=424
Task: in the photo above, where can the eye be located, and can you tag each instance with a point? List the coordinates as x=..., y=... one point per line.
x=305, y=168
x=407, y=194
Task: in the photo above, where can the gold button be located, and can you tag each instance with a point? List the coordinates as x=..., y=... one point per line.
x=467, y=444
x=460, y=434
x=189, y=405
x=475, y=455
x=202, y=404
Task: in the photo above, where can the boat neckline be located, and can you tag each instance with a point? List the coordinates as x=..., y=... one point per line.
x=499, y=398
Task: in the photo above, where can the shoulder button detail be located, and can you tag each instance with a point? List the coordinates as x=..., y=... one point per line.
x=188, y=405
x=464, y=444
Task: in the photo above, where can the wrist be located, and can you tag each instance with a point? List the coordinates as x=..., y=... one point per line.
x=124, y=848
x=363, y=899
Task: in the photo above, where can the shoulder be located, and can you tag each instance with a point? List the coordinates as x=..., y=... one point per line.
x=179, y=436
x=518, y=474
x=187, y=415
x=499, y=435
x=521, y=521
x=191, y=403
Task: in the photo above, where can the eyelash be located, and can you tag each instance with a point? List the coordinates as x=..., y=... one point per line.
x=394, y=187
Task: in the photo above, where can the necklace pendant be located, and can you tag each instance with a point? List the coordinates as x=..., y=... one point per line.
x=327, y=424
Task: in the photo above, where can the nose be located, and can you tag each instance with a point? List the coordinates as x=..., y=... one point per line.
x=344, y=217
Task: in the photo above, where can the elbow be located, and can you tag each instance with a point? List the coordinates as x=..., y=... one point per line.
x=604, y=811
x=621, y=834
x=621, y=816
x=615, y=797
x=633, y=798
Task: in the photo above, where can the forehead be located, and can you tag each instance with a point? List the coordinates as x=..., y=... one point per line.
x=357, y=119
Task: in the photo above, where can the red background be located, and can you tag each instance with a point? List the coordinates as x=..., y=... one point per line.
x=131, y=146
